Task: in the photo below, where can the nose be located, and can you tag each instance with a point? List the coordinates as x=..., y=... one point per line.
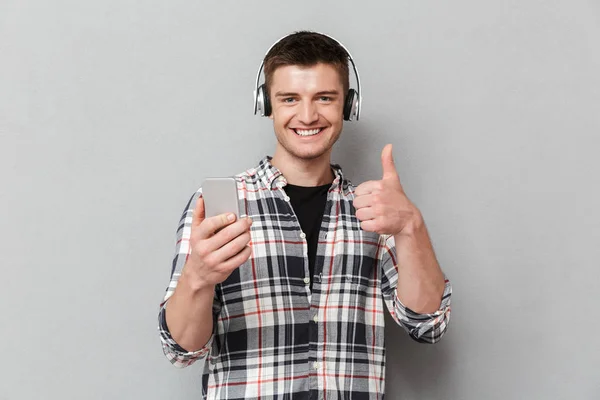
x=307, y=113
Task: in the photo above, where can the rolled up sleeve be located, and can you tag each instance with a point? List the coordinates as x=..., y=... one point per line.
x=176, y=354
x=423, y=328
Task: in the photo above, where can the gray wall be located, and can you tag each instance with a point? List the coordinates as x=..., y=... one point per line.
x=112, y=112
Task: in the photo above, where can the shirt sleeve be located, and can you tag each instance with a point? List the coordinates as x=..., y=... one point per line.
x=177, y=355
x=423, y=328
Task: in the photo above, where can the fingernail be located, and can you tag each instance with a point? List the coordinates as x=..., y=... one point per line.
x=230, y=217
x=249, y=220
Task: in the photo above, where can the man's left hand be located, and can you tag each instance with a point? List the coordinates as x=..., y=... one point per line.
x=382, y=206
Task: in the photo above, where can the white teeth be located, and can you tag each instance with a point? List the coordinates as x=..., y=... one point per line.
x=309, y=132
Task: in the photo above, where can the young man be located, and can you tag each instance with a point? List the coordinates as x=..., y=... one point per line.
x=289, y=301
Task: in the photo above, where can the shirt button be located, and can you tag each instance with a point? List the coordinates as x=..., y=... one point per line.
x=315, y=318
x=286, y=198
x=303, y=235
x=316, y=365
x=307, y=280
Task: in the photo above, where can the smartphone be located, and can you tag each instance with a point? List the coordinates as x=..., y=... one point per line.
x=220, y=196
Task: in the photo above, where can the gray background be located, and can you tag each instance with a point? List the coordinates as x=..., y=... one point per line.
x=112, y=113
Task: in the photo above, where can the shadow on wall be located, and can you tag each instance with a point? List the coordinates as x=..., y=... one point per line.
x=352, y=152
x=359, y=147
x=413, y=370
x=416, y=370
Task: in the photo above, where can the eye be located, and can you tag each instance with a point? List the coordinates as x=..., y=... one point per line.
x=288, y=100
x=325, y=98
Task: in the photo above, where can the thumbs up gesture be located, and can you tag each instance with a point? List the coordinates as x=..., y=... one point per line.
x=382, y=205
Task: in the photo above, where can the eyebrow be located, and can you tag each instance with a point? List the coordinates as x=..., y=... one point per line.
x=328, y=92
x=321, y=93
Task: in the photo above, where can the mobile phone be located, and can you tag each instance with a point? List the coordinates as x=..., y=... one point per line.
x=220, y=196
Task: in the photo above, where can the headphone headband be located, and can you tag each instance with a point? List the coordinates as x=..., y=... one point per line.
x=258, y=95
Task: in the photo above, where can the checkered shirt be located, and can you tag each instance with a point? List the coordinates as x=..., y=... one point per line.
x=274, y=338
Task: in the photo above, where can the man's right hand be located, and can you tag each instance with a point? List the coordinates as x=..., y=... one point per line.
x=218, y=246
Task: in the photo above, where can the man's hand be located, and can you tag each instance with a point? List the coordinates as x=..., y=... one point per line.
x=382, y=206
x=218, y=246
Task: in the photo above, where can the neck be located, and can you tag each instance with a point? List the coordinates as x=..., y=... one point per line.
x=303, y=172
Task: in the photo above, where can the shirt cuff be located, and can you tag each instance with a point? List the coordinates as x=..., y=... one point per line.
x=406, y=311
x=176, y=354
x=426, y=327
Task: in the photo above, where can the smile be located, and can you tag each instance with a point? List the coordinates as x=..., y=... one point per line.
x=307, y=132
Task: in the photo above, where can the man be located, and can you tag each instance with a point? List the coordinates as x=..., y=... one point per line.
x=289, y=301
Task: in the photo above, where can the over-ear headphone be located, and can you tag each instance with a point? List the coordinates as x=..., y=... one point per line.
x=352, y=101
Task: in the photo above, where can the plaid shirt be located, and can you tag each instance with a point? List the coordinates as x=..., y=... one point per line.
x=275, y=338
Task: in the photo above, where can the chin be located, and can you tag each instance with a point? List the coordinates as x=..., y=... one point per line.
x=309, y=152
x=309, y=156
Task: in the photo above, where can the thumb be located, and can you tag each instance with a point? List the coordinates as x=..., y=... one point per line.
x=198, y=214
x=387, y=163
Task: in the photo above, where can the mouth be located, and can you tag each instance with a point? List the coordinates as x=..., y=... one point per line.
x=308, y=132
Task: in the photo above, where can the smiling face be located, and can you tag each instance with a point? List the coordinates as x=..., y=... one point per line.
x=307, y=107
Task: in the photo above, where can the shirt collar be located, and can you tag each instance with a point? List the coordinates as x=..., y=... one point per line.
x=273, y=178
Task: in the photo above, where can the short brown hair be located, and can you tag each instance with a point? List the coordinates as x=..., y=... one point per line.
x=307, y=49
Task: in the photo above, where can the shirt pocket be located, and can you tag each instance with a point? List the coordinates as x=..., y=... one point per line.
x=358, y=259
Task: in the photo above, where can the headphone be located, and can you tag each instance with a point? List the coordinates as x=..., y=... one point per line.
x=352, y=101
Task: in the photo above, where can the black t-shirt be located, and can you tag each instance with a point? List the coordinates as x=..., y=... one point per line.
x=309, y=205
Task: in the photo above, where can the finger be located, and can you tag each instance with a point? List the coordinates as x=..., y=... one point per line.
x=365, y=200
x=228, y=234
x=209, y=226
x=198, y=213
x=387, y=163
x=365, y=214
x=231, y=248
x=237, y=260
x=367, y=187
x=368, y=225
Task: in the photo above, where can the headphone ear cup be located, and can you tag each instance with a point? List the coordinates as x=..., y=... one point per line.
x=350, y=105
x=267, y=103
x=264, y=104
